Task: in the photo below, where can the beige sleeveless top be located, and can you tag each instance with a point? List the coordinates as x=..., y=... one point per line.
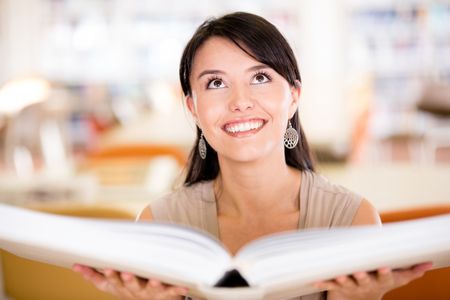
x=322, y=204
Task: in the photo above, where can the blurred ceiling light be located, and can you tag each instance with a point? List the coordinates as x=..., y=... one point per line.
x=90, y=34
x=20, y=93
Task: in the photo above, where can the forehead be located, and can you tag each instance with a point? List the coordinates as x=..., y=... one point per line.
x=220, y=53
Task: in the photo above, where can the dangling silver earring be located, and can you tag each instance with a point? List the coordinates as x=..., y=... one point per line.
x=290, y=137
x=202, y=146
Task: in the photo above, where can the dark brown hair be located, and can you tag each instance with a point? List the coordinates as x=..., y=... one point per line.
x=261, y=40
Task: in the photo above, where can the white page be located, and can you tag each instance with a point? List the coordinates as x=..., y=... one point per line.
x=345, y=250
x=171, y=251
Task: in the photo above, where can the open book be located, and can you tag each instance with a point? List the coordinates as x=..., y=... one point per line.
x=274, y=267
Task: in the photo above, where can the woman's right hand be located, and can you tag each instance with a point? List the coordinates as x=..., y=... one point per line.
x=127, y=286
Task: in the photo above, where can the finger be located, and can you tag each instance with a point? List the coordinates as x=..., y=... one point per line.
x=158, y=289
x=154, y=286
x=131, y=282
x=423, y=267
x=88, y=272
x=362, y=278
x=420, y=269
x=77, y=268
x=385, y=276
x=326, y=285
x=181, y=290
x=172, y=291
x=94, y=277
x=406, y=275
x=345, y=282
x=113, y=278
x=116, y=285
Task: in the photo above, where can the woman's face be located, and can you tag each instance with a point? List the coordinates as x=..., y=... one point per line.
x=241, y=105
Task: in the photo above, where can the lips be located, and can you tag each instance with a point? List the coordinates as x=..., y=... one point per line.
x=243, y=127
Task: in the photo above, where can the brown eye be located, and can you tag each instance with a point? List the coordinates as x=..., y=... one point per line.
x=216, y=84
x=260, y=78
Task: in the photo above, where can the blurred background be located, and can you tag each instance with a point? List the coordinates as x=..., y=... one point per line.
x=91, y=109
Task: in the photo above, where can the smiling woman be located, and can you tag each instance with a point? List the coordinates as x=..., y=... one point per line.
x=267, y=54
x=250, y=172
x=240, y=105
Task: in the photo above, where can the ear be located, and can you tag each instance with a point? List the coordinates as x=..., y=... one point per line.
x=295, y=95
x=190, y=103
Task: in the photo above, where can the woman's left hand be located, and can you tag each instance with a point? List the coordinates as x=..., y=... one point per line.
x=370, y=286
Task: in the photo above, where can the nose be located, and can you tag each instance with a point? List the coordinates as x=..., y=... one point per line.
x=240, y=100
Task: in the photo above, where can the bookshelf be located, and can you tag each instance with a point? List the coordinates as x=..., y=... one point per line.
x=402, y=46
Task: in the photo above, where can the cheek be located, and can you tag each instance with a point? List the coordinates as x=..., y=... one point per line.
x=209, y=110
x=276, y=100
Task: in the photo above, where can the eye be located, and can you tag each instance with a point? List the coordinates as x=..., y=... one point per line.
x=215, y=83
x=261, y=77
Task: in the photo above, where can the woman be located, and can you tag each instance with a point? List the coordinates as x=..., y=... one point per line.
x=250, y=172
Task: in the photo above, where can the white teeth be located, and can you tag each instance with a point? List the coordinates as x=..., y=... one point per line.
x=246, y=126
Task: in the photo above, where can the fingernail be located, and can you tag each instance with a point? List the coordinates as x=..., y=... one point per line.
x=154, y=283
x=126, y=276
x=76, y=268
x=108, y=272
x=425, y=267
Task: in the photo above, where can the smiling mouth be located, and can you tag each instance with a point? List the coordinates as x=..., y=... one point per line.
x=239, y=129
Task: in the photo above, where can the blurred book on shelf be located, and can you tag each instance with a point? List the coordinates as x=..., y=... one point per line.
x=403, y=47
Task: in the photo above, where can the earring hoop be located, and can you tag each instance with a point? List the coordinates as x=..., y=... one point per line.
x=290, y=137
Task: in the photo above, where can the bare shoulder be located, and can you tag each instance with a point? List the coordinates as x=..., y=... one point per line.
x=145, y=215
x=366, y=214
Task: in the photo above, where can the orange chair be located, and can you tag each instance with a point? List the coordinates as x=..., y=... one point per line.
x=435, y=284
x=130, y=164
x=139, y=151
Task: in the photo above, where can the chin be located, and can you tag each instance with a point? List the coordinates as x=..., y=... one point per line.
x=246, y=155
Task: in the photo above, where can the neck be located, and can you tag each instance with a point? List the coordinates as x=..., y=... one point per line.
x=256, y=188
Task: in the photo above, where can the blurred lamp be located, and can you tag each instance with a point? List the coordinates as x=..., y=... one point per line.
x=17, y=94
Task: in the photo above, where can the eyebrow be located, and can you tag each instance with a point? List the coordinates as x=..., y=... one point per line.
x=258, y=67
x=206, y=72
x=251, y=69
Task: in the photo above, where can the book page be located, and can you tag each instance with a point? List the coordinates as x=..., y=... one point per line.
x=307, y=256
x=147, y=249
